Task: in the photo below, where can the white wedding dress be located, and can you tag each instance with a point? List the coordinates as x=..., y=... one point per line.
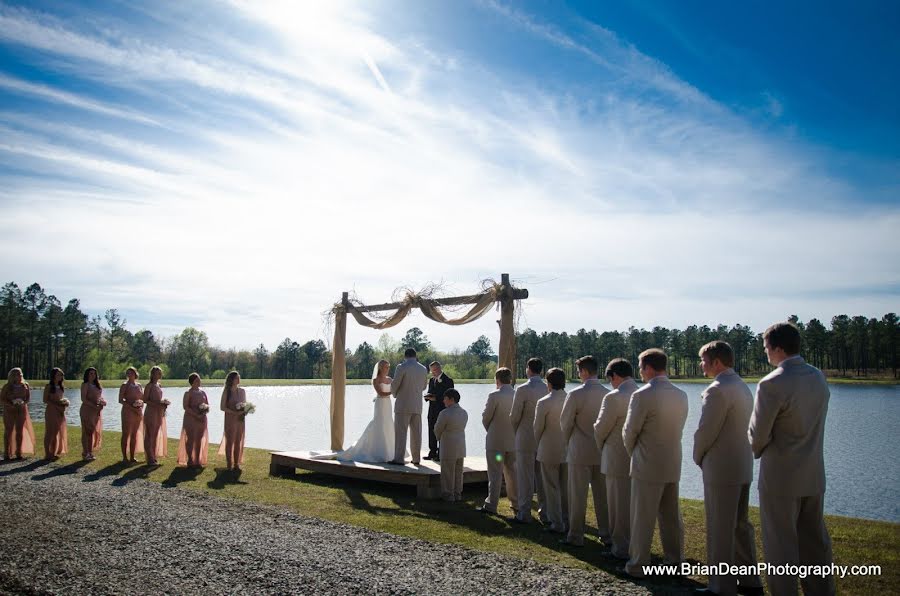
x=376, y=445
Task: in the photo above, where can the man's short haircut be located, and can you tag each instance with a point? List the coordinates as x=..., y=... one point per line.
x=654, y=358
x=535, y=365
x=409, y=353
x=589, y=364
x=452, y=394
x=435, y=363
x=785, y=336
x=718, y=350
x=619, y=366
x=504, y=375
x=556, y=378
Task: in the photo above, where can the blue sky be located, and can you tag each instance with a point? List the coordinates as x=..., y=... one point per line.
x=236, y=165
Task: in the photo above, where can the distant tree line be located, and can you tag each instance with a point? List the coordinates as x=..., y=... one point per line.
x=37, y=333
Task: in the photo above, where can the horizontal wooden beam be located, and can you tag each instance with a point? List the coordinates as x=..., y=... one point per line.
x=517, y=294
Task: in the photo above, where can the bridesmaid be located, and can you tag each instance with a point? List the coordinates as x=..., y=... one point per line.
x=155, y=419
x=18, y=435
x=192, y=448
x=92, y=404
x=233, y=399
x=130, y=396
x=56, y=437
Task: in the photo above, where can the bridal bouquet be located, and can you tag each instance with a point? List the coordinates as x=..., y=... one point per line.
x=204, y=408
x=18, y=402
x=64, y=402
x=246, y=407
x=138, y=403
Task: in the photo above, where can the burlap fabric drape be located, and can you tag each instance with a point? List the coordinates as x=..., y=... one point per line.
x=428, y=307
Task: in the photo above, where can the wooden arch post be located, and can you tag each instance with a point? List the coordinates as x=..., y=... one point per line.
x=507, y=297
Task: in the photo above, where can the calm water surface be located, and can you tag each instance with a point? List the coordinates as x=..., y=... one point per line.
x=862, y=439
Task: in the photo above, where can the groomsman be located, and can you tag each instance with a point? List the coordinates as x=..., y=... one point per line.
x=787, y=431
x=652, y=436
x=614, y=460
x=551, y=451
x=500, y=443
x=722, y=451
x=522, y=418
x=451, y=431
x=437, y=385
x=580, y=411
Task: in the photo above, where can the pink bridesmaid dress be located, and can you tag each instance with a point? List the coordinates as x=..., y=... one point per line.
x=56, y=437
x=18, y=437
x=234, y=428
x=132, y=418
x=194, y=442
x=155, y=441
x=91, y=419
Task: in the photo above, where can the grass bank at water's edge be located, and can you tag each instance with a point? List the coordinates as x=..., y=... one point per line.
x=396, y=510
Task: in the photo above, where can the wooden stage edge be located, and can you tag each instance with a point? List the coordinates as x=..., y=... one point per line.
x=426, y=477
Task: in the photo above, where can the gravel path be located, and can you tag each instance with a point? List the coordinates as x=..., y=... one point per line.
x=62, y=533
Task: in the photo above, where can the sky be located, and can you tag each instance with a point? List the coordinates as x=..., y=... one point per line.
x=235, y=166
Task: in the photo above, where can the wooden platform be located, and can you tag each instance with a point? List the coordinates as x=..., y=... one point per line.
x=426, y=476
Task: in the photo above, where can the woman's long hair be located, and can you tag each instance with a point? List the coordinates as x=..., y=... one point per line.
x=155, y=369
x=377, y=370
x=87, y=373
x=13, y=372
x=229, y=383
x=51, y=386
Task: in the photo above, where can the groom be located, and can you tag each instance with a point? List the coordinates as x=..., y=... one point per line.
x=410, y=379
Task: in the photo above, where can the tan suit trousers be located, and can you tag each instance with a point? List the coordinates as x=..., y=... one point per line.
x=579, y=478
x=526, y=475
x=618, y=499
x=794, y=533
x=652, y=502
x=501, y=466
x=451, y=478
x=729, y=535
x=555, y=478
x=413, y=422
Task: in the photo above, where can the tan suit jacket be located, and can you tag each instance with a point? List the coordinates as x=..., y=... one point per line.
x=522, y=413
x=579, y=413
x=450, y=429
x=787, y=429
x=652, y=431
x=720, y=444
x=614, y=460
x=410, y=380
x=495, y=418
x=551, y=445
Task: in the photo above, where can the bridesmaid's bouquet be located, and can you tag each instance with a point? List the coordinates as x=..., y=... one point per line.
x=246, y=407
x=165, y=403
x=204, y=408
x=138, y=403
x=18, y=402
x=101, y=403
x=64, y=402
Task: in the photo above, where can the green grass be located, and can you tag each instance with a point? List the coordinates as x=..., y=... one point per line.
x=396, y=510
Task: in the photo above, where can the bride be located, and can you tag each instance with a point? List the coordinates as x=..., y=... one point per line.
x=376, y=445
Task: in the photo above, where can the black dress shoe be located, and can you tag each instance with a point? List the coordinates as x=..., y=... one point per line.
x=429, y=456
x=485, y=510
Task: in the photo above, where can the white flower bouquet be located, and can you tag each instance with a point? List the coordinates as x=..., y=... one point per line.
x=18, y=402
x=246, y=407
x=138, y=403
x=165, y=403
x=101, y=402
x=64, y=402
x=204, y=408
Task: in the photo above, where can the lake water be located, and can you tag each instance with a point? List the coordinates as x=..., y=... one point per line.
x=862, y=439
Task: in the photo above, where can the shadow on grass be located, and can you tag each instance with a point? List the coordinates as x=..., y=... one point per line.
x=140, y=473
x=61, y=470
x=225, y=477
x=180, y=475
x=110, y=470
x=30, y=467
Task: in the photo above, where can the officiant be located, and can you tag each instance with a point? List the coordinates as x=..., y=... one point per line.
x=437, y=385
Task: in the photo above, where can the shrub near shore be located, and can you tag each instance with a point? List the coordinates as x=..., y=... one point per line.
x=396, y=510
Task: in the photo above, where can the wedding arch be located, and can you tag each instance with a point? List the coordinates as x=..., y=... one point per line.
x=431, y=306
